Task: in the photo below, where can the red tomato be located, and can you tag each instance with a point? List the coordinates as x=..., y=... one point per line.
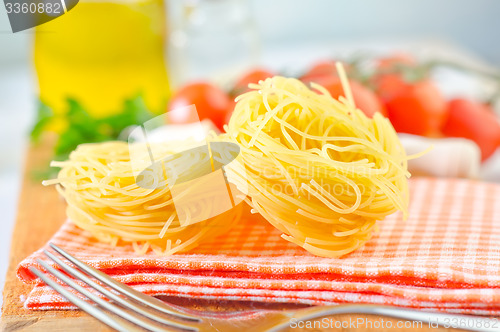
x=389, y=62
x=417, y=108
x=210, y=101
x=324, y=68
x=364, y=98
x=253, y=76
x=474, y=121
x=387, y=85
x=320, y=69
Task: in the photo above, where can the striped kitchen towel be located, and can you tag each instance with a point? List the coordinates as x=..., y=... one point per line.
x=445, y=256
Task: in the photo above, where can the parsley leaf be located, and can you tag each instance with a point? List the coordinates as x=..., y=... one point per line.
x=83, y=128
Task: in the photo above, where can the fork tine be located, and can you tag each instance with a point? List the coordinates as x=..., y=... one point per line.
x=87, y=307
x=113, y=296
x=123, y=289
x=105, y=304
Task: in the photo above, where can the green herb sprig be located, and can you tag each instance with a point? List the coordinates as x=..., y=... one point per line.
x=84, y=128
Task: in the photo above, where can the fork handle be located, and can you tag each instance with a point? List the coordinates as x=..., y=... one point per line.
x=431, y=319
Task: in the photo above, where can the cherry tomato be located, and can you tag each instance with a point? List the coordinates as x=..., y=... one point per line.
x=415, y=108
x=475, y=121
x=364, y=98
x=210, y=101
x=389, y=62
x=387, y=85
x=324, y=68
x=320, y=69
x=387, y=80
x=253, y=76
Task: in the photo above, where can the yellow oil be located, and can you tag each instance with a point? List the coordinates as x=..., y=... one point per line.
x=101, y=53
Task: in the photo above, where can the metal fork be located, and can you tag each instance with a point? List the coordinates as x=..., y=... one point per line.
x=129, y=310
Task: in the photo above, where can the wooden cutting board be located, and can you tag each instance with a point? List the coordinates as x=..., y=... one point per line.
x=40, y=214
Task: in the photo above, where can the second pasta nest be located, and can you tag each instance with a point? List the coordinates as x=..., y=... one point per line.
x=317, y=168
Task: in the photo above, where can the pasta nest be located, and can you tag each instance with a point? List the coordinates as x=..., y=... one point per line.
x=317, y=168
x=100, y=186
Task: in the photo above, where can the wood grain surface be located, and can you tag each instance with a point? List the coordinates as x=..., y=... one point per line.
x=40, y=214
